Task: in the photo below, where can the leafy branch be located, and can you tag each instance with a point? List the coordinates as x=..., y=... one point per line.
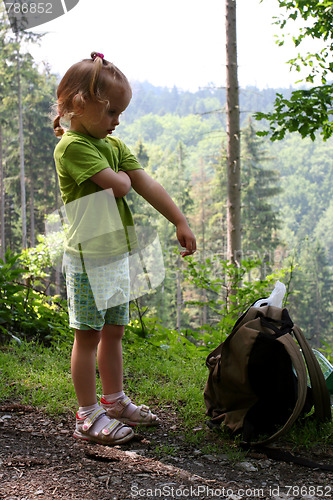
x=309, y=110
x=306, y=112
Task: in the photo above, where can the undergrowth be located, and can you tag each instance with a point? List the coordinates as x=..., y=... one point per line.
x=40, y=376
x=170, y=379
x=163, y=368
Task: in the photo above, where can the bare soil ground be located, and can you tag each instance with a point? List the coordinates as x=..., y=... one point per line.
x=39, y=459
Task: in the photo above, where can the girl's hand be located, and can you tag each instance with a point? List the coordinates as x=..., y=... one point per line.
x=186, y=238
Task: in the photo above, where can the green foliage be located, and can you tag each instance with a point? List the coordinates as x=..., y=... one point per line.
x=305, y=207
x=327, y=350
x=25, y=312
x=37, y=92
x=37, y=375
x=175, y=377
x=39, y=260
x=318, y=17
x=260, y=189
x=224, y=308
x=307, y=187
x=311, y=305
x=171, y=380
x=179, y=138
x=157, y=335
x=316, y=23
x=9, y=290
x=36, y=260
x=308, y=110
x=311, y=434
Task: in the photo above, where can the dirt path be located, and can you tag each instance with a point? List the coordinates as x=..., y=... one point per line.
x=39, y=459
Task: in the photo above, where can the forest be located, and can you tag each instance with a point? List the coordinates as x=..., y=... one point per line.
x=180, y=138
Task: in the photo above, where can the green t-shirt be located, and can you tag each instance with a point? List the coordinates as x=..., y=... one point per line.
x=98, y=222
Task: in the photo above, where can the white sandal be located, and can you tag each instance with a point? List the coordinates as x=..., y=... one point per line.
x=141, y=416
x=86, y=429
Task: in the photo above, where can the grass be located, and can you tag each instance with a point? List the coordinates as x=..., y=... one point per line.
x=37, y=376
x=172, y=379
x=40, y=376
x=310, y=434
x=169, y=377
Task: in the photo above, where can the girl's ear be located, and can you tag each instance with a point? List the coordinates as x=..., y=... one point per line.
x=78, y=104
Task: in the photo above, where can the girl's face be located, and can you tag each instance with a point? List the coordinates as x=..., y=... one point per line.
x=99, y=120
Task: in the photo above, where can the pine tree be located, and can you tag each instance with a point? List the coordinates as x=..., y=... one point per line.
x=173, y=176
x=6, y=77
x=311, y=302
x=27, y=149
x=199, y=219
x=259, y=187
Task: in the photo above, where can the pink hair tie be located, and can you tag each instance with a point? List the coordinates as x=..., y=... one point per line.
x=97, y=54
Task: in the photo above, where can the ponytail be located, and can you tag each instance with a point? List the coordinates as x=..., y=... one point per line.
x=58, y=130
x=98, y=60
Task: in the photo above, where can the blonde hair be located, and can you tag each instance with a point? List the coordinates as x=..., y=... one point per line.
x=85, y=80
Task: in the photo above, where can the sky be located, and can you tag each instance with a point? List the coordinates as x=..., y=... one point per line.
x=170, y=42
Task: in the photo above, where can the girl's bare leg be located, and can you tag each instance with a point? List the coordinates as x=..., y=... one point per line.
x=110, y=365
x=84, y=378
x=83, y=366
x=110, y=358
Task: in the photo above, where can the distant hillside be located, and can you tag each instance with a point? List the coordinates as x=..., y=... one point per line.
x=148, y=99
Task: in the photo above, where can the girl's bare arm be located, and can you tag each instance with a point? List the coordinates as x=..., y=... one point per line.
x=119, y=182
x=157, y=196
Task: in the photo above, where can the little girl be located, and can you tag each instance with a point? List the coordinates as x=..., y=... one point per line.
x=91, y=96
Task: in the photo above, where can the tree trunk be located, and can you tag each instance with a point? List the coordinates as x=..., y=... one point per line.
x=22, y=174
x=2, y=202
x=32, y=213
x=179, y=296
x=233, y=138
x=204, y=222
x=179, y=289
x=32, y=194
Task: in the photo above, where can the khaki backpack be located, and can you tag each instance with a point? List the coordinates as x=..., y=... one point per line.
x=257, y=384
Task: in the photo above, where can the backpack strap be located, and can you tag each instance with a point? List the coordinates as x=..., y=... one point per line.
x=285, y=456
x=299, y=365
x=320, y=392
x=321, y=397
